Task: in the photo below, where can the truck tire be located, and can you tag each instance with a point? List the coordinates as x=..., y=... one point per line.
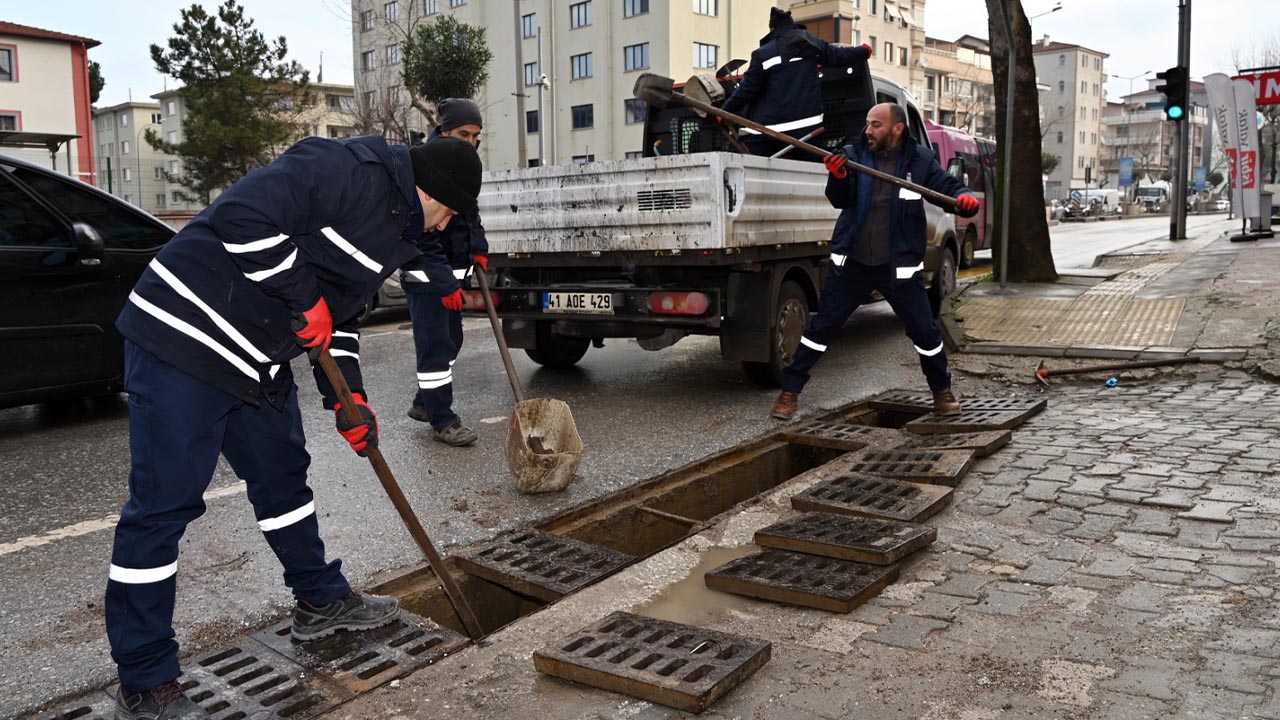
x=791, y=318
x=944, y=280
x=967, y=246
x=556, y=351
x=367, y=311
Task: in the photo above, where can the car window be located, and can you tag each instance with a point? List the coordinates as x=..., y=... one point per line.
x=24, y=224
x=121, y=228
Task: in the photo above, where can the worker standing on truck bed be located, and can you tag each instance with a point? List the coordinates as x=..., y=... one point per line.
x=879, y=245
x=285, y=259
x=435, y=294
x=781, y=88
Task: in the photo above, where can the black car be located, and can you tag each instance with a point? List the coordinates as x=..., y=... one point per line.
x=69, y=256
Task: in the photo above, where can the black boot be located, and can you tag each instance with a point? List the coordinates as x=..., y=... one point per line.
x=352, y=612
x=163, y=703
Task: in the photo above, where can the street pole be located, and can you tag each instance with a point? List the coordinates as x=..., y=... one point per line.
x=542, y=118
x=1182, y=127
x=1128, y=131
x=521, y=140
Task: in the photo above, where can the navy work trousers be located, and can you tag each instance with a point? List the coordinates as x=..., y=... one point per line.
x=437, y=338
x=177, y=427
x=844, y=292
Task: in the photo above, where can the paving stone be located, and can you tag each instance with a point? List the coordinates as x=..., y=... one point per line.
x=1152, y=522
x=1209, y=511
x=1068, y=550
x=1266, y=528
x=1144, y=596
x=1216, y=704
x=1127, y=496
x=1079, y=502
x=1045, y=572
x=1147, y=677
x=1002, y=602
x=1256, y=641
x=1182, y=481
x=907, y=631
x=1199, y=535
x=1173, y=565
x=1233, y=575
x=1095, y=528
x=968, y=585
x=1109, y=509
x=1111, y=565
x=1230, y=493
x=996, y=496
x=940, y=605
x=1041, y=490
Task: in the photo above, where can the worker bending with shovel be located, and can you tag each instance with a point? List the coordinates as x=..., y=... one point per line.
x=879, y=245
x=283, y=260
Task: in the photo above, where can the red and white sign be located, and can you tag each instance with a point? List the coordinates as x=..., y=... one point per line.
x=1266, y=87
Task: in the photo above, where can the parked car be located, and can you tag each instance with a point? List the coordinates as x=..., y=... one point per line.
x=69, y=256
x=1222, y=204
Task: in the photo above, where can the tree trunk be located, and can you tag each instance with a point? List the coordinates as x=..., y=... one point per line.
x=1030, y=258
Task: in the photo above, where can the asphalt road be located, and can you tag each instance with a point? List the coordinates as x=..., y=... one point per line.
x=639, y=413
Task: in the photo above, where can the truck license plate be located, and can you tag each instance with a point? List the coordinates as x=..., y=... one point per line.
x=600, y=303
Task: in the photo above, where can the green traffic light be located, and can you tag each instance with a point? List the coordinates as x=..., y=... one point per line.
x=1175, y=112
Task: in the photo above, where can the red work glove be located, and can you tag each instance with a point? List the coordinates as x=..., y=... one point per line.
x=453, y=300
x=362, y=435
x=314, y=328
x=482, y=261
x=870, y=51
x=967, y=205
x=835, y=165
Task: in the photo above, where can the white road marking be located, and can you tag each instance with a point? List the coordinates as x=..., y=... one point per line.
x=90, y=526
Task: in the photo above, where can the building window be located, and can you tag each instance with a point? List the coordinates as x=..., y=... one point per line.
x=634, y=154
x=1062, y=61
x=393, y=54
x=127, y=174
x=531, y=74
x=580, y=14
x=1059, y=137
x=155, y=118
x=635, y=111
x=368, y=61
x=158, y=172
x=583, y=116
x=1095, y=89
x=124, y=120
x=125, y=147
x=391, y=11
x=366, y=20
x=370, y=98
x=8, y=64
x=1080, y=161
x=580, y=66
x=1084, y=113
x=173, y=167
x=631, y=8
x=706, y=7
x=528, y=25
x=170, y=108
x=1081, y=137
x=457, y=3
x=635, y=57
x=1095, y=114
x=176, y=196
x=1062, y=112
x=535, y=162
x=172, y=137
x=159, y=199
x=581, y=159
x=1084, y=61
x=1097, y=64
x=902, y=57
x=874, y=11
x=888, y=52
x=873, y=45
x=9, y=121
x=1093, y=138
x=1062, y=86
x=704, y=56
x=1084, y=87
x=531, y=121
x=430, y=7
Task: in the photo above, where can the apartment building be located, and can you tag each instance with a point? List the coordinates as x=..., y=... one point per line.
x=128, y=167
x=1072, y=111
x=954, y=85
x=560, y=82
x=893, y=28
x=44, y=98
x=1136, y=128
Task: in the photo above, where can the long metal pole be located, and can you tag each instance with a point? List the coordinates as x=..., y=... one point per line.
x=521, y=138
x=542, y=118
x=1006, y=185
x=1181, y=130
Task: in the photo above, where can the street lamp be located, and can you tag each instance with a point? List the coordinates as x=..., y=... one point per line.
x=1008, y=138
x=1128, y=114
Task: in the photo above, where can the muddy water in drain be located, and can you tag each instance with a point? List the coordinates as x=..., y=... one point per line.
x=690, y=601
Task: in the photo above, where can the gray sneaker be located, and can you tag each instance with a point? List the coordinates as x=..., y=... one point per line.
x=355, y=611
x=419, y=413
x=456, y=435
x=163, y=703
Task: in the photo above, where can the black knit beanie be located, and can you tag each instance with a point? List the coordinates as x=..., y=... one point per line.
x=448, y=169
x=779, y=18
x=456, y=112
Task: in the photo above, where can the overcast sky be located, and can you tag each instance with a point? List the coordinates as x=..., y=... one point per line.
x=1139, y=35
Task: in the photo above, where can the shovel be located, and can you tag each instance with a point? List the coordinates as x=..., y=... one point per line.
x=543, y=446
x=401, y=503
x=660, y=91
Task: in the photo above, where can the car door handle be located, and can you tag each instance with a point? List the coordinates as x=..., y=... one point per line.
x=90, y=261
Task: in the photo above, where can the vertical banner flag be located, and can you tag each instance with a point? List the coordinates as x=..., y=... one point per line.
x=1126, y=172
x=1247, y=156
x=1222, y=105
x=1202, y=178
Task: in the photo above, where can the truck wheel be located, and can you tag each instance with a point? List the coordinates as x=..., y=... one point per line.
x=792, y=317
x=967, y=247
x=556, y=351
x=367, y=311
x=944, y=280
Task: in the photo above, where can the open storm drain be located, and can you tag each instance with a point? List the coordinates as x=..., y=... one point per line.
x=541, y=565
x=799, y=579
x=878, y=497
x=846, y=537
x=981, y=443
x=676, y=665
x=942, y=467
x=843, y=436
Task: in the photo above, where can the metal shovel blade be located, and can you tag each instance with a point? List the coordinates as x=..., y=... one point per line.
x=543, y=446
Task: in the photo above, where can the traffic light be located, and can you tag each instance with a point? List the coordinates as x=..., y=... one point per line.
x=1175, y=91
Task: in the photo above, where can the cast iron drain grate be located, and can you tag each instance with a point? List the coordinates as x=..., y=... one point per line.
x=981, y=443
x=847, y=537
x=968, y=421
x=95, y=706
x=541, y=565
x=676, y=665
x=798, y=579
x=942, y=467
x=878, y=497
x=919, y=403
x=843, y=436
x=250, y=681
x=362, y=661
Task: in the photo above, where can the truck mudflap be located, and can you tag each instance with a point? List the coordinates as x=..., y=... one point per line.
x=689, y=307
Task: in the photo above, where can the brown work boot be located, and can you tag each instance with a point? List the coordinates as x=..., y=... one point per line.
x=944, y=403
x=785, y=406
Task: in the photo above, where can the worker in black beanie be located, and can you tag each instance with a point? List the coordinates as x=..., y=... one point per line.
x=435, y=293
